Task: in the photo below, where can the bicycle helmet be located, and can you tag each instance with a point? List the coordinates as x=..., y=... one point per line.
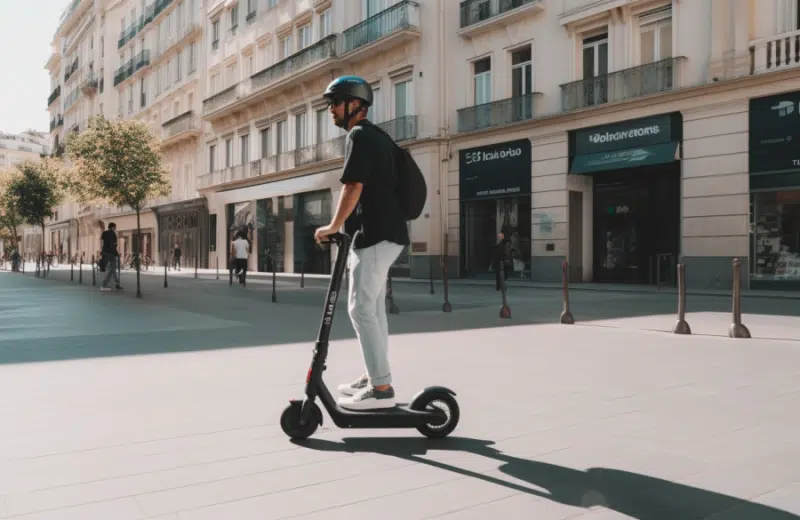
x=349, y=88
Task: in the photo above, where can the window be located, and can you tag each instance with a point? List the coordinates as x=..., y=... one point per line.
x=325, y=23
x=373, y=7
x=655, y=37
x=521, y=85
x=265, y=144
x=230, y=75
x=300, y=131
x=595, y=65
x=187, y=179
x=178, y=65
x=403, y=99
x=775, y=254
x=214, y=84
x=251, y=8
x=212, y=159
x=286, y=47
x=228, y=152
x=482, y=81
x=280, y=137
x=192, y=58
x=234, y=18
x=248, y=66
x=215, y=35
x=244, y=142
x=272, y=3
x=376, y=110
x=304, y=34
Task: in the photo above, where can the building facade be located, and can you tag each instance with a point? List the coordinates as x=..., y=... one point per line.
x=274, y=157
x=625, y=137
x=132, y=59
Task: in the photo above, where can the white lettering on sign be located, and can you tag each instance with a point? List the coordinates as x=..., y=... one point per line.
x=476, y=157
x=500, y=191
x=627, y=134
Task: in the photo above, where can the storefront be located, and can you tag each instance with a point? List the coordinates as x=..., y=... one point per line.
x=184, y=224
x=495, y=197
x=126, y=236
x=636, y=196
x=774, y=160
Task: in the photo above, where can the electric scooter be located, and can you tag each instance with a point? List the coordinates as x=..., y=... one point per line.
x=433, y=411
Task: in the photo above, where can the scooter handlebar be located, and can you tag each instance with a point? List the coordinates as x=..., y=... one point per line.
x=339, y=238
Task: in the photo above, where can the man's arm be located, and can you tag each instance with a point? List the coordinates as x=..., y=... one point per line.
x=356, y=172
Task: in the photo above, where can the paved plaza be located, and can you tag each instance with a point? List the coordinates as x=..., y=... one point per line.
x=167, y=407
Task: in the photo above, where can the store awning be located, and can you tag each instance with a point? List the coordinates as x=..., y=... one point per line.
x=629, y=158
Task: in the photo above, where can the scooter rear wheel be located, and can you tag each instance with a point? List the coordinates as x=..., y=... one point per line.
x=290, y=423
x=435, y=400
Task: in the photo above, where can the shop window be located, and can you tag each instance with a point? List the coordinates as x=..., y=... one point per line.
x=776, y=236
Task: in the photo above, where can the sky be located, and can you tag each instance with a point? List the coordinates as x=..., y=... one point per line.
x=26, y=31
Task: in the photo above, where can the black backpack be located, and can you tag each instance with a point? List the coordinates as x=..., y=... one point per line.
x=412, y=190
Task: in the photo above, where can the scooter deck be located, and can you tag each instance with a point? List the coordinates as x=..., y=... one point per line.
x=399, y=416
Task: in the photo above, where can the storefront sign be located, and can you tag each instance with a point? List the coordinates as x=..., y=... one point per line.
x=639, y=142
x=775, y=133
x=497, y=170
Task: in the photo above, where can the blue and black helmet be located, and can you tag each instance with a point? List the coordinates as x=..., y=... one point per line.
x=349, y=87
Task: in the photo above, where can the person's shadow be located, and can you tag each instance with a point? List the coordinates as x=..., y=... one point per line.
x=637, y=496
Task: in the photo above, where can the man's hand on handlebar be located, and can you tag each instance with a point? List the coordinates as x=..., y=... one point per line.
x=324, y=232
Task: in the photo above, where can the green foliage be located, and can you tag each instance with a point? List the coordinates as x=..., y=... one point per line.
x=118, y=162
x=37, y=190
x=10, y=219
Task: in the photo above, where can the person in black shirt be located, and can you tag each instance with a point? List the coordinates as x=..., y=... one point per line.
x=370, y=212
x=110, y=255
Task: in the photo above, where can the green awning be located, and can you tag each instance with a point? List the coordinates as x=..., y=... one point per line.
x=628, y=158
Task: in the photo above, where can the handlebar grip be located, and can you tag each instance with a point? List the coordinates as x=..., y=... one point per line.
x=340, y=238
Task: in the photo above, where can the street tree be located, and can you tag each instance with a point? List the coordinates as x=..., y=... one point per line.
x=10, y=219
x=118, y=162
x=38, y=189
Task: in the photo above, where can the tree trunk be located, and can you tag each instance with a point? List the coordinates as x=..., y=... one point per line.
x=41, y=253
x=136, y=258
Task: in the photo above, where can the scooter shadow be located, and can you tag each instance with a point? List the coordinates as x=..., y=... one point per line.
x=638, y=496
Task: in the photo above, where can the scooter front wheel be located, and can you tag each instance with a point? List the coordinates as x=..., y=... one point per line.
x=443, y=402
x=291, y=426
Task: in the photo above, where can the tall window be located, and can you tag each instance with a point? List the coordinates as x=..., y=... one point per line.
x=521, y=84
x=595, y=65
x=212, y=157
x=482, y=70
x=265, y=144
x=286, y=47
x=244, y=146
x=280, y=137
x=376, y=114
x=655, y=38
x=228, y=152
x=300, y=130
x=234, y=18
x=374, y=7
x=402, y=99
x=325, y=23
x=305, y=35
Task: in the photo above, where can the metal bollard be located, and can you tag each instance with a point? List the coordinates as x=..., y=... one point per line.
x=681, y=327
x=71, y=271
x=80, y=272
x=94, y=271
x=446, y=307
x=430, y=267
x=274, y=289
x=217, y=264
x=505, y=310
x=302, y=274
x=566, y=316
x=737, y=329
x=230, y=272
x=393, y=308
x=166, y=268
x=196, y=262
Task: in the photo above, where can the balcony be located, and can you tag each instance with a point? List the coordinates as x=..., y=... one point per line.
x=480, y=16
x=182, y=34
x=575, y=10
x=326, y=151
x=179, y=128
x=131, y=66
x=644, y=80
x=497, y=113
x=56, y=122
x=401, y=129
x=292, y=70
x=71, y=69
x=89, y=87
x=781, y=52
x=388, y=28
x=150, y=14
x=54, y=95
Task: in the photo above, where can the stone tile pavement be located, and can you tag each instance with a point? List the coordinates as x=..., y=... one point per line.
x=167, y=408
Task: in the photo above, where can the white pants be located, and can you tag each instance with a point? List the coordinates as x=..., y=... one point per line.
x=369, y=269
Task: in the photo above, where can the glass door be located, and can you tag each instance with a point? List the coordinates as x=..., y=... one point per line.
x=595, y=70
x=521, y=85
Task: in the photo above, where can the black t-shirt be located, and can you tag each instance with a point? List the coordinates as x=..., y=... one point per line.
x=109, y=239
x=368, y=159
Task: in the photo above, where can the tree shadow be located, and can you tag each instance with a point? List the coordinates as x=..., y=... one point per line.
x=638, y=496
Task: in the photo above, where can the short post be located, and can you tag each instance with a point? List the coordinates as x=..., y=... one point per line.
x=505, y=310
x=94, y=271
x=196, y=262
x=80, y=272
x=230, y=271
x=71, y=270
x=393, y=308
x=302, y=273
x=166, y=268
x=737, y=329
x=216, y=260
x=681, y=327
x=274, y=288
x=430, y=268
x=566, y=315
x=446, y=307
x=49, y=263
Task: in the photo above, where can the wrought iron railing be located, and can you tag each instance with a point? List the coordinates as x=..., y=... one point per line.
x=322, y=50
x=220, y=99
x=401, y=15
x=182, y=123
x=652, y=78
x=71, y=70
x=401, y=128
x=132, y=66
x=54, y=95
x=496, y=113
x=476, y=11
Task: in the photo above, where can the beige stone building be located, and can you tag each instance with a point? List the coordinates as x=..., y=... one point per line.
x=624, y=136
x=133, y=59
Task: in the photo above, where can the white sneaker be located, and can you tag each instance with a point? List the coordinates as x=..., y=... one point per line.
x=369, y=399
x=355, y=386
